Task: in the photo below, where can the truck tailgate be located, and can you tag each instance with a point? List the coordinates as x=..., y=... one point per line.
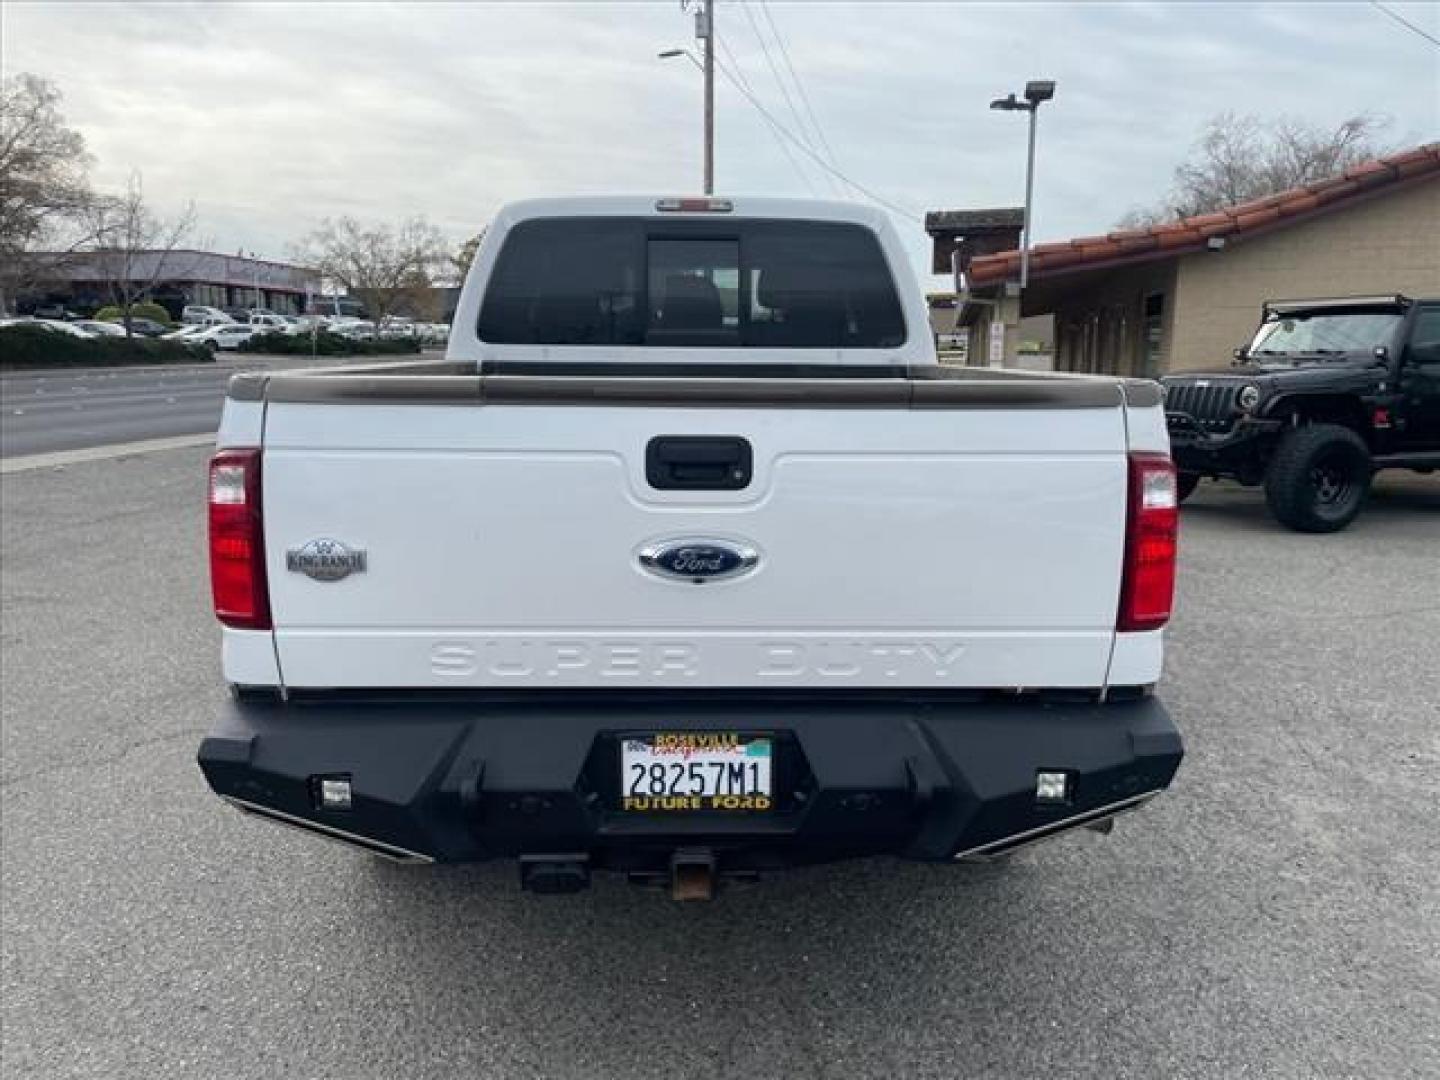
x=897, y=547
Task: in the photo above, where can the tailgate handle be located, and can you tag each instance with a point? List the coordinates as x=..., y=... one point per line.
x=698, y=462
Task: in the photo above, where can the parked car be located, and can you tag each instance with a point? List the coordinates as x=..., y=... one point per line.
x=397, y=328
x=336, y=308
x=1327, y=393
x=55, y=326
x=226, y=336
x=434, y=333
x=143, y=327
x=201, y=314
x=266, y=322
x=54, y=313
x=353, y=328
x=424, y=332
x=629, y=582
x=99, y=329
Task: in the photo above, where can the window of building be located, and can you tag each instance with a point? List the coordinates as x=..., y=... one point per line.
x=1152, y=336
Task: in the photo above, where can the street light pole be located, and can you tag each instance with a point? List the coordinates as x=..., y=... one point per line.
x=1029, y=197
x=255, y=278
x=705, y=29
x=1036, y=92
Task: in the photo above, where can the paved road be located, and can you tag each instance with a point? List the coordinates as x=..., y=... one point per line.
x=51, y=410
x=48, y=411
x=1272, y=916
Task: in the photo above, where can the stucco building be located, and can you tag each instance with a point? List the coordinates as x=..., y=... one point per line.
x=84, y=280
x=1185, y=293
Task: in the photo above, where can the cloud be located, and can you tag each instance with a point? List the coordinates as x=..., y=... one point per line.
x=272, y=116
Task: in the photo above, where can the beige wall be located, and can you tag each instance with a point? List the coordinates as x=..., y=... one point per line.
x=942, y=320
x=1039, y=330
x=1387, y=245
x=1006, y=313
x=1099, y=326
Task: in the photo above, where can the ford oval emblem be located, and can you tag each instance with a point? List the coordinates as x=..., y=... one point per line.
x=698, y=560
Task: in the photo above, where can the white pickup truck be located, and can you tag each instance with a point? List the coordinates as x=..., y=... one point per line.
x=690, y=562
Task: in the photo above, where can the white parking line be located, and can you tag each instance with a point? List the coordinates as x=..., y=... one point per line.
x=26, y=462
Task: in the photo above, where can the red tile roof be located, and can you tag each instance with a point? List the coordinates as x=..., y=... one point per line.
x=1192, y=233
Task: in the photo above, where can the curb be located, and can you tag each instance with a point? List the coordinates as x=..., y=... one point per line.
x=60, y=458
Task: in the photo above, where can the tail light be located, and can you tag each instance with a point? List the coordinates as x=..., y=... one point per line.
x=1152, y=532
x=237, y=541
x=695, y=206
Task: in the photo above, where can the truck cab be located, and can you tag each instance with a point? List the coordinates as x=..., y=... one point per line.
x=1326, y=393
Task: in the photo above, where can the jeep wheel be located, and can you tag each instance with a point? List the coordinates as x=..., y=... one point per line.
x=1185, y=484
x=1319, y=478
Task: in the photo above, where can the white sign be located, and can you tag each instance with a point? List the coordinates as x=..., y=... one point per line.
x=997, y=343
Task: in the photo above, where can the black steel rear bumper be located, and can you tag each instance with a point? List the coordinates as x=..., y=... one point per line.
x=460, y=780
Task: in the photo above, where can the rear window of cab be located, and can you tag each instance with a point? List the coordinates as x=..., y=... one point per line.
x=642, y=282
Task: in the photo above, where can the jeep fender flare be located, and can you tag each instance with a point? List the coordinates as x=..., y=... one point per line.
x=1297, y=408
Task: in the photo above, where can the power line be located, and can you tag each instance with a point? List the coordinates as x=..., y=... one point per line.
x=735, y=63
x=775, y=73
x=1405, y=22
x=784, y=146
x=799, y=86
x=781, y=129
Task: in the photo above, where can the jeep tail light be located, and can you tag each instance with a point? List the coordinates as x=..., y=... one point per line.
x=1152, y=532
x=237, y=541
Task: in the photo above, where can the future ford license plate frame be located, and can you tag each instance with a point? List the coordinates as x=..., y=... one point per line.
x=696, y=771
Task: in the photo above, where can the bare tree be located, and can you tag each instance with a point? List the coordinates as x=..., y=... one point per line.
x=1240, y=157
x=134, y=248
x=385, y=267
x=44, y=182
x=462, y=259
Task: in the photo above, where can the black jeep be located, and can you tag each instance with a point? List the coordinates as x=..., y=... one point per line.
x=1328, y=392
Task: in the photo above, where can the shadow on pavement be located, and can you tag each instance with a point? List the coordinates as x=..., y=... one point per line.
x=1393, y=498
x=811, y=966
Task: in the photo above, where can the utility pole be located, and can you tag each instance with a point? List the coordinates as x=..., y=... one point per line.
x=1029, y=199
x=705, y=30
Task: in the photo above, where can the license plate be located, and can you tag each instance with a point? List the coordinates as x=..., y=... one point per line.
x=695, y=771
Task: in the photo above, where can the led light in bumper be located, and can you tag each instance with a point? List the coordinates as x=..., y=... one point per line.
x=1052, y=787
x=333, y=792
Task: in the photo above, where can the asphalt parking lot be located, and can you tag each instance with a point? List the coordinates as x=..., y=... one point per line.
x=1272, y=916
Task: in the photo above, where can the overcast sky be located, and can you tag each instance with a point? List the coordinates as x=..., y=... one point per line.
x=272, y=116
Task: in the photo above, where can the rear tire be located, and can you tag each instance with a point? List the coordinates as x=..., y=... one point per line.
x=213, y=345
x=1319, y=478
x=1185, y=484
